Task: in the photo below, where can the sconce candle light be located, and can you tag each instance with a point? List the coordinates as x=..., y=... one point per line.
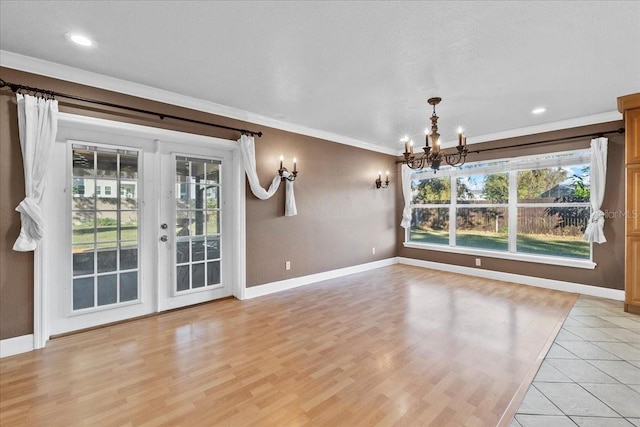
x=380, y=183
x=292, y=175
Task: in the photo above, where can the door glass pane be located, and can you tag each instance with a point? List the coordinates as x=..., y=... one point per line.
x=213, y=247
x=128, y=195
x=213, y=273
x=83, y=260
x=185, y=198
x=83, y=293
x=197, y=248
x=183, y=223
x=104, y=226
x=182, y=252
x=107, y=289
x=107, y=226
x=212, y=173
x=197, y=279
x=197, y=195
x=211, y=196
x=107, y=259
x=83, y=162
x=182, y=277
x=129, y=286
x=129, y=165
x=128, y=258
x=197, y=169
x=107, y=199
x=83, y=193
x=213, y=222
x=107, y=164
x=83, y=227
x=129, y=226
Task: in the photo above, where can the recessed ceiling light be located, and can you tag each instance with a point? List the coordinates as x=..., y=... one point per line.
x=538, y=110
x=79, y=39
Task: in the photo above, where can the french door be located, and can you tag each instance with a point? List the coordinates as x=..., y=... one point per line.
x=194, y=255
x=136, y=225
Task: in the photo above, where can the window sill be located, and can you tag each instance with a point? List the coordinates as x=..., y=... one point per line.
x=540, y=259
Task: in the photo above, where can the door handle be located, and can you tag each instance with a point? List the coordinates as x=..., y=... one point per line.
x=163, y=238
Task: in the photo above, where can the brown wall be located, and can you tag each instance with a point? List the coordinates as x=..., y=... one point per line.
x=341, y=216
x=16, y=268
x=609, y=273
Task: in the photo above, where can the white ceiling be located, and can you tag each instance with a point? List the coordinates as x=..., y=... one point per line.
x=359, y=70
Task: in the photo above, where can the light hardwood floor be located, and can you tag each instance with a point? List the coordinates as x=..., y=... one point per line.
x=398, y=345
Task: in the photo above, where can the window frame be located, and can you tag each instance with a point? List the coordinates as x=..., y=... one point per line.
x=511, y=166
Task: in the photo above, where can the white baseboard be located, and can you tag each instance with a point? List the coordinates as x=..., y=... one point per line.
x=283, y=285
x=558, y=285
x=16, y=345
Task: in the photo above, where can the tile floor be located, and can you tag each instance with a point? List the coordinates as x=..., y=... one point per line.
x=591, y=375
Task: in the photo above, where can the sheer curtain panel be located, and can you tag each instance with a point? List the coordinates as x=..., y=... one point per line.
x=598, y=180
x=37, y=126
x=247, y=150
x=406, y=193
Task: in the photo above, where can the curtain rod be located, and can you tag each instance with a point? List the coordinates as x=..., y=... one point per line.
x=593, y=135
x=49, y=93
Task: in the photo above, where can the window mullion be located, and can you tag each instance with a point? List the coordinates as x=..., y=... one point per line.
x=513, y=210
x=452, y=209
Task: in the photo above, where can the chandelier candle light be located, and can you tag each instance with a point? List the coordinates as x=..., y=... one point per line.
x=433, y=157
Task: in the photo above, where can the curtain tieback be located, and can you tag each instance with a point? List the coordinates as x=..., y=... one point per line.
x=596, y=216
x=31, y=217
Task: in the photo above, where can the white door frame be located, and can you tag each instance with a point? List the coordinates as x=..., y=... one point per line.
x=41, y=320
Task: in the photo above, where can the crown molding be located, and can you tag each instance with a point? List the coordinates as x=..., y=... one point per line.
x=100, y=81
x=575, y=122
x=76, y=75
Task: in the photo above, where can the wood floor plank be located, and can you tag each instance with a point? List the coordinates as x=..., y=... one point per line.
x=399, y=345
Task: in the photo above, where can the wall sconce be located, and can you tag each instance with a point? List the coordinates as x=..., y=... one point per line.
x=380, y=183
x=292, y=175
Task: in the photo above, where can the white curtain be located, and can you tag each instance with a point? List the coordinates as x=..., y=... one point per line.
x=248, y=152
x=598, y=180
x=37, y=125
x=406, y=193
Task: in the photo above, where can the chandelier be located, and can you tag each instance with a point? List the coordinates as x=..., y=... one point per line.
x=433, y=156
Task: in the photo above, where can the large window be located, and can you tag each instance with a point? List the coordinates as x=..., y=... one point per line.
x=529, y=206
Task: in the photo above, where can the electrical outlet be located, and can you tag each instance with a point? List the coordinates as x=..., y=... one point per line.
x=287, y=265
x=373, y=251
x=478, y=262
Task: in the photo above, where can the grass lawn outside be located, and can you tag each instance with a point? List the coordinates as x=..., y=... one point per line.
x=538, y=244
x=106, y=236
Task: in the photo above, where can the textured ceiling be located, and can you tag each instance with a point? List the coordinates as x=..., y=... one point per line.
x=362, y=70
